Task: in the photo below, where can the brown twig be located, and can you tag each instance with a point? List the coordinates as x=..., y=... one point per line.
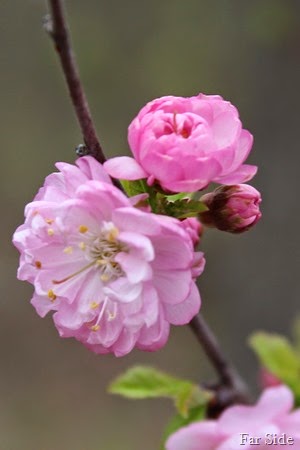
x=56, y=26
x=231, y=388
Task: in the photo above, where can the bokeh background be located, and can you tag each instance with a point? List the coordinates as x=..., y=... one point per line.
x=52, y=391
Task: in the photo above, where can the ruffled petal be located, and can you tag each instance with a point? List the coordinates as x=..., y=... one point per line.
x=244, y=173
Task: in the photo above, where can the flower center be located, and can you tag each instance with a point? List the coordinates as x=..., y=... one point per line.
x=103, y=250
x=175, y=124
x=100, y=251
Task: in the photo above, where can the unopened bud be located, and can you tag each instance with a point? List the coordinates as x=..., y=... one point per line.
x=232, y=208
x=268, y=379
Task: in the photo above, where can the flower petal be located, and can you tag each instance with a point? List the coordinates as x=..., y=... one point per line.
x=124, y=168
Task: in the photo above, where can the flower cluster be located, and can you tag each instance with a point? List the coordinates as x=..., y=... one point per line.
x=114, y=271
x=268, y=423
x=116, y=277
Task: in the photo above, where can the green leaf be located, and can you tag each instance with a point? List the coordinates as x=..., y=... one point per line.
x=146, y=382
x=276, y=354
x=134, y=187
x=195, y=414
x=296, y=333
x=279, y=357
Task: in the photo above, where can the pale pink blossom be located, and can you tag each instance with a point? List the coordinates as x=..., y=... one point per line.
x=271, y=416
x=116, y=277
x=184, y=143
x=232, y=208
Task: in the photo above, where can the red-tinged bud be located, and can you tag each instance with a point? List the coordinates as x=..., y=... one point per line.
x=267, y=379
x=232, y=208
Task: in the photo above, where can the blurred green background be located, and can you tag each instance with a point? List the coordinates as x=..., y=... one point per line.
x=52, y=391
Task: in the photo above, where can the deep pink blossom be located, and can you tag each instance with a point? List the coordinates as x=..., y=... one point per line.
x=232, y=208
x=116, y=277
x=271, y=416
x=186, y=143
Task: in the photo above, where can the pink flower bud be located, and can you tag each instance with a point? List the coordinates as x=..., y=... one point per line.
x=268, y=379
x=232, y=208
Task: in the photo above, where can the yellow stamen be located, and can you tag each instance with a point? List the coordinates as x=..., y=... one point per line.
x=83, y=229
x=50, y=231
x=101, y=262
x=51, y=295
x=113, y=234
x=49, y=221
x=104, y=277
x=68, y=250
x=94, y=305
x=82, y=245
x=38, y=264
x=95, y=327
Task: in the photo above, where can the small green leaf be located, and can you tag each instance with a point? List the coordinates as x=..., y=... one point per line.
x=190, y=397
x=134, y=187
x=276, y=353
x=296, y=333
x=195, y=414
x=147, y=382
x=279, y=357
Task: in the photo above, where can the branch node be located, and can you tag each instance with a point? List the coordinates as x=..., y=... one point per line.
x=47, y=24
x=81, y=150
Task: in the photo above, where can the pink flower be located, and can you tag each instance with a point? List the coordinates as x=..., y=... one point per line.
x=269, y=419
x=186, y=143
x=232, y=208
x=116, y=277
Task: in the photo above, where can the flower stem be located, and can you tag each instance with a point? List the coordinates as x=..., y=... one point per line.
x=57, y=27
x=231, y=388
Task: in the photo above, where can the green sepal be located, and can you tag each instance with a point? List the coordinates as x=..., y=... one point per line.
x=135, y=187
x=142, y=382
x=181, y=196
x=184, y=208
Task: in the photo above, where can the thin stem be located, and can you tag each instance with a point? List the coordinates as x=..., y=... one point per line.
x=57, y=27
x=231, y=387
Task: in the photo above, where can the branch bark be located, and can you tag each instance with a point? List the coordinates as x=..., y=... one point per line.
x=57, y=27
x=231, y=388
